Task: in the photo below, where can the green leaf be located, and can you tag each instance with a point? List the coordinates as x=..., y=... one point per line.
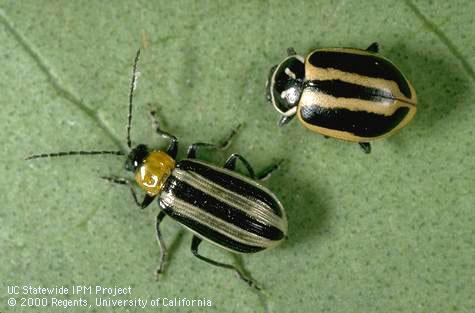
x=387, y=232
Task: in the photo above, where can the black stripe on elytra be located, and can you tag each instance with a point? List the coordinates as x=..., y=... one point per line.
x=366, y=65
x=360, y=123
x=232, y=183
x=209, y=233
x=208, y=203
x=338, y=89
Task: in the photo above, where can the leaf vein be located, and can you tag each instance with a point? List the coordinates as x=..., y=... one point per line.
x=54, y=81
x=443, y=38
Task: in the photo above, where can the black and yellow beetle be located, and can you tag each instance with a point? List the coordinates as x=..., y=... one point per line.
x=216, y=204
x=344, y=93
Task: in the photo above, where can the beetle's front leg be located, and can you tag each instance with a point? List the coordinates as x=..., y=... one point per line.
x=172, y=149
x=124, y=181
x=288, y=116
x=284, y=120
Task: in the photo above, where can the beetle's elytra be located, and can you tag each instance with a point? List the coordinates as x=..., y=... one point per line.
x=344, y=93
x=216, y=204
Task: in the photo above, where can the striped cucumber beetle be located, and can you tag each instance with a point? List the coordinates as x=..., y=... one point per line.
x=344, y=93
x=216, y=204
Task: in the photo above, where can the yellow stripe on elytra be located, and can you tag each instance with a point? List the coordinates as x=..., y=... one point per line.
x=390, y=86
x=257, y=210
x=316, y=73
x=352, y=137
x=312, y=97
x=236, y=233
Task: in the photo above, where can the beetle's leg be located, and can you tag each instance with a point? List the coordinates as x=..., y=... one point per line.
x=230, y=164
x=284, y=120
x=173, y=145
x=192, y=149
x=263, y=175
x=161, y=245
x=124, y=181
x=366, y=146
x=146, y=201
x=374, y=47
x=288, y=116
x=267, y=172
x=196, y=241
x=291, y=51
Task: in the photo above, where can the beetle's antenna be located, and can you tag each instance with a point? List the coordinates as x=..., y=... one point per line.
x=133, y=84
x=60, y=154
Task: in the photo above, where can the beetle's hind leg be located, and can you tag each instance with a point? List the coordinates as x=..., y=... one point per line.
x=161, y=245
x=196, y=241
x=124, y=181
x=230, y=164
x=366, y=146
x=193, y=149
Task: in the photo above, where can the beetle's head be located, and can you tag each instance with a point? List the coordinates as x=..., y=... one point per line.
x=285, y=84
x=136, y=157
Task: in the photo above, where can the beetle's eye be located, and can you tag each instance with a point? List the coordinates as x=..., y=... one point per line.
x=129, y=165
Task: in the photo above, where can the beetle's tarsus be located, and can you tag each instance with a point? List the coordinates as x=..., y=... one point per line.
x=374, y=47
x=267, y=172
x=252, y=283
x=366, y=146
x=161, y=244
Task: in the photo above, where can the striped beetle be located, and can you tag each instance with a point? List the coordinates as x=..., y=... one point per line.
x=344, y=93
x=216, y=204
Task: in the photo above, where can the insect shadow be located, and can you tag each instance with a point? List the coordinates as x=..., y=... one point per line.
x=441, y=87
x=306, y=205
